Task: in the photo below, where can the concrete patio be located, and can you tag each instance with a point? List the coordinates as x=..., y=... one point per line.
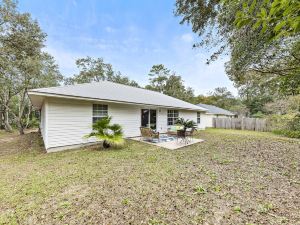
x=172, y=145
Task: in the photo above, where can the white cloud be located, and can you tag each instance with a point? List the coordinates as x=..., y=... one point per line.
x=191, y=64
x=188, y=37
x=110, y=29
x=64, y=59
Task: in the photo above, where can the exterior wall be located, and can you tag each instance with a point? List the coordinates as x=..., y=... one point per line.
x=162, y=121
x=128, y=116
x=208, y=120
x=192, y=115
x=68, y=122
x=43, y=123
x=64, y=123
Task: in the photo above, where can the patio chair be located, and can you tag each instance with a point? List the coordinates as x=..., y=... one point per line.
x=186, y=136
x=190, y=133
x=148, y=133
x=180, y=134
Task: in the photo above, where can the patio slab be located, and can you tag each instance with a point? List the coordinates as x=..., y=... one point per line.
x=172, y=145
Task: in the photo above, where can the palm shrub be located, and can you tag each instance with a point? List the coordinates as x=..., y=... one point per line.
x=110, y=134
x=186, y=123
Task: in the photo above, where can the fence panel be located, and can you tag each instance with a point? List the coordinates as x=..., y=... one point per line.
x=241, y=123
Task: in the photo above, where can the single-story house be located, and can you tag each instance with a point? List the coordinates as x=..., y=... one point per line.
x=214, y=112
x=68, y=112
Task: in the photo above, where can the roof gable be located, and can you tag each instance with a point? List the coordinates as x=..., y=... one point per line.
x=216, y=110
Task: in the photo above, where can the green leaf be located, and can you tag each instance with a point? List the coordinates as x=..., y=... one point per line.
x=264, y=27
x=279, y=26
x=263, y=12
x=243, y=22
x=252, y=7
x=296, y=26
x=245, y=5
x=257, y=24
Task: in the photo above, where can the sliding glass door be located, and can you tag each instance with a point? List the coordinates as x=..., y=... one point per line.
x=148, y=118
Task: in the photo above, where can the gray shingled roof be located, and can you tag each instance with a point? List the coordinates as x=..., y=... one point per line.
x=216, y=110
x=105, y=90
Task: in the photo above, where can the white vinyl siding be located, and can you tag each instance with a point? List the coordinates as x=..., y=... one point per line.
x=207, y=120
x=192, y=115
x=70, y=121
x=128, y=116
x=162, y=119
x=43, y=122
x=189, y=115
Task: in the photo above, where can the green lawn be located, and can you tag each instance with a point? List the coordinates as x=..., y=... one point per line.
x=234, y=177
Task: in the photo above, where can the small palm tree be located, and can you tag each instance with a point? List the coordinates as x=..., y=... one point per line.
x=110, y=134
x=186, y=123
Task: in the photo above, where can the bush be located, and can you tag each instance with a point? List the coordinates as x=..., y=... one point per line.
x=288, y=133
x=294, y=124
x=281, y=122
x=259, y=114
x=33, y=122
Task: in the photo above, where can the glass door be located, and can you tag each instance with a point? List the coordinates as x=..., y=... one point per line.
x=148, y=118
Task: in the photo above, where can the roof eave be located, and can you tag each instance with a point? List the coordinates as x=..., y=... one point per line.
x=45, y=94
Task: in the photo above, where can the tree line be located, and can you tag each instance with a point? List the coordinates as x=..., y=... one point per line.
x=261, y=38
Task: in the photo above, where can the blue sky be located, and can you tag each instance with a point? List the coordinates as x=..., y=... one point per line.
x=132, y=35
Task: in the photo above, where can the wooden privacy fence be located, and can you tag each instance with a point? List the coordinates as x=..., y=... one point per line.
x=241, y=124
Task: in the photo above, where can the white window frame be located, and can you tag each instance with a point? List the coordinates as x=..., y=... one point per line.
x=100, y=111
x=198, y=117
x=171, y=115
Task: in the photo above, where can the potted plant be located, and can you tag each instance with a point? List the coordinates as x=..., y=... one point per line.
x=110, y=134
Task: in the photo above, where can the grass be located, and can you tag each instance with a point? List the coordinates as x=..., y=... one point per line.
x=234, y=177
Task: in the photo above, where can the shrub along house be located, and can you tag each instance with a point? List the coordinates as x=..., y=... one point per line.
x=68, y=112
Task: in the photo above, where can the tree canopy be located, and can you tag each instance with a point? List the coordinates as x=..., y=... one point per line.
x=242, y=30
x=23, y=64
x=161, y=79
x=95, y=70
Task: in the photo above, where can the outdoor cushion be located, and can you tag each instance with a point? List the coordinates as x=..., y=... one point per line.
x=175, y=128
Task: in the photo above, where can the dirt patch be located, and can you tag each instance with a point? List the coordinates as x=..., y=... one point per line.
x=13, y=143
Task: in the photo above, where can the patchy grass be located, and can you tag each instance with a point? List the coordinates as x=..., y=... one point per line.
x=234, y=177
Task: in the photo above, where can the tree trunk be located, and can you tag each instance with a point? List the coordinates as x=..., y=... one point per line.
x=106, y=144
x=21, y=112
x=1, y=120
x=7, y=126
x=21, y=130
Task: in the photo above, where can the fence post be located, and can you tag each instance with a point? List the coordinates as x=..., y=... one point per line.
x=242, y=123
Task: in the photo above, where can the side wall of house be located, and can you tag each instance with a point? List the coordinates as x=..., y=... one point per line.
x=208, y=120
x=162, y=118
x=43, y=123
x=70, y=120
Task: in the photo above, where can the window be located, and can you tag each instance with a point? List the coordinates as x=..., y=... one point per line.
x=99, y=112
x=198, y=117
x=172, y=117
